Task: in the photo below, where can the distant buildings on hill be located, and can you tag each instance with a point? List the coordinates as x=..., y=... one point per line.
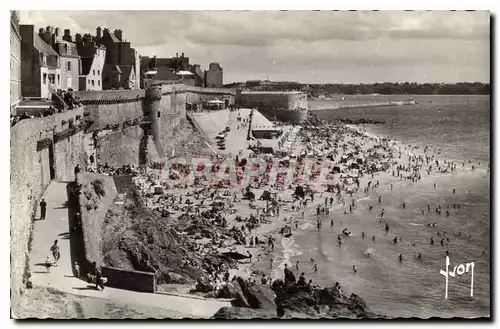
x=177, y=69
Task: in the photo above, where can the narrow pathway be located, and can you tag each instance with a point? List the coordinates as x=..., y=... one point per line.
x=61, y=277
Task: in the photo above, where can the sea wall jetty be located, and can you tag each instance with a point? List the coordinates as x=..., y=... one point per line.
x=286, y=106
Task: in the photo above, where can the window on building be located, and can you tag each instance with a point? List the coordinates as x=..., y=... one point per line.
x=159, y=114
x=98, y=72
x=92, y=82
x=52, y=79
x=89, y=82
x=93, y=72
x=45, y=78
x=98, y=82
x=58, y=79
x=69, y=66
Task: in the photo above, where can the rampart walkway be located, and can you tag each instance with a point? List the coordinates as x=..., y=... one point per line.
x=61, y=277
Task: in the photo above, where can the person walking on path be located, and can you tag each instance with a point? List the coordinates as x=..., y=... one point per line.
x=55, y=252
x=77, y=269
x=47, y=264
x=77, y=170
x=98, y=275
x=43, y=209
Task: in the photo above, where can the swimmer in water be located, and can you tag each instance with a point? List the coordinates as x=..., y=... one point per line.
x=354, y=269
x=400, y=257
x=432, y=241
x=419, y=257
x=379, y=199
x=453, y=191
x=362, y=235
x=423, y=211
x=315, y=269
x=404, y=205
x=395, y=240
x=386, y=227
x=312, y=260
x=373, y=238
x=331, y=223
x=442, y=242
x=434, y=185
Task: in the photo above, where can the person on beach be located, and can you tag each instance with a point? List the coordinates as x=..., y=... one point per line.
x=297, y=265
x=271, y=262
x=55, y=252
x=382, y=213
x=379, y=199
x=419, y=257
x=354, y=269
x=302, y=280
x=315, y=269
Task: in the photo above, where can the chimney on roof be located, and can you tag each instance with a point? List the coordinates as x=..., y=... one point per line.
x=176, y=55
x=118, y=34
x=105, y=31
x=57, y=32
x=78, y=39
x=87, y=38
x=67, y=35
x=41, y=32
x=98, y=32
x=47, y=35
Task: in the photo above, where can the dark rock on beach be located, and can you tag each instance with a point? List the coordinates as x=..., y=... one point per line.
x=291, y=301
x=244, y=313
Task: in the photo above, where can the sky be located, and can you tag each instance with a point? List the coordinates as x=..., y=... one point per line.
x=304, y=46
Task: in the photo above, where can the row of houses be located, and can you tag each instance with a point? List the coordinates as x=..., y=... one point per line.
x=52, y=61
x=47, y=60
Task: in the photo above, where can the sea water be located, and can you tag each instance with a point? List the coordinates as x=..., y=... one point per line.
x=460, y=127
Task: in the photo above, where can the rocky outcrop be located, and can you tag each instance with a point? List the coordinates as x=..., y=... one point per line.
x=244, y=313
x=319, y=302
x=290, y=301
x=244, y=294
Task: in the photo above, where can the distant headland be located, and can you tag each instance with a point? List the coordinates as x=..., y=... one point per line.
x=322, y=91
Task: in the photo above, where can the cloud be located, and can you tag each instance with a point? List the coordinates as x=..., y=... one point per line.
x=249, y=43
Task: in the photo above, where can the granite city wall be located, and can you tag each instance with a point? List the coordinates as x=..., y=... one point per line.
x=30, y=176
